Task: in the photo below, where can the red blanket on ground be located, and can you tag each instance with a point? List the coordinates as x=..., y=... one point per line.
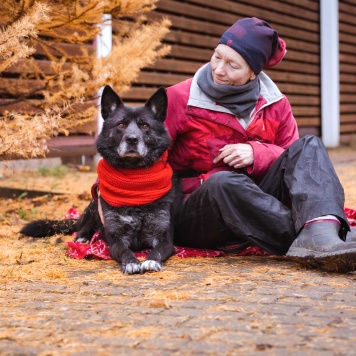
x=99, y=249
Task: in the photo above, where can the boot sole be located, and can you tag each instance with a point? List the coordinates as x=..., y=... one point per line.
x=337, y=261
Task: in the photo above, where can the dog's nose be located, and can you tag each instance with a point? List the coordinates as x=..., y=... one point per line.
x=132, y=140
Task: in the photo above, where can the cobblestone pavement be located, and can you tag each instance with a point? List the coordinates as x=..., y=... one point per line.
x=200, y=306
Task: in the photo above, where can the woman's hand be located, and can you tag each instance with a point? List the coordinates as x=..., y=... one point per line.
x=237, y=155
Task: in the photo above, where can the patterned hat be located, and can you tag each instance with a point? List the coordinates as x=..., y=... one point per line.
x=256, y=41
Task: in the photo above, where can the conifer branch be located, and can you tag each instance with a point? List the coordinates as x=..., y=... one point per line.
x=62, y=96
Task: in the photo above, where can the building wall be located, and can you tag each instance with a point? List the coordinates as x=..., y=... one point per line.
x=197, y=26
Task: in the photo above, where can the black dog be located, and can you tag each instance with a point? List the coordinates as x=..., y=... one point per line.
x=135, y=196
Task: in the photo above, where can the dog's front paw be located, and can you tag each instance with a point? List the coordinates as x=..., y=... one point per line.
x=131, y=268
x=150, y=265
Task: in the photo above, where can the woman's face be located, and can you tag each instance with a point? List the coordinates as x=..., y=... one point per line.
x=228, y=67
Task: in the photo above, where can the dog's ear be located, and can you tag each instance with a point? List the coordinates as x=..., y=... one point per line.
x=110, y=101
x=158, y=104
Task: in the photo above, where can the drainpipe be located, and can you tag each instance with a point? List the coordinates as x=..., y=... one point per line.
x=103, y=46
x=330, y=82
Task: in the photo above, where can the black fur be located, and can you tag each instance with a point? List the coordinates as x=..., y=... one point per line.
x=132, y=137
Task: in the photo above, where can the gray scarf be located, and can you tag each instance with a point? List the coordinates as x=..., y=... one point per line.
x=240, y=100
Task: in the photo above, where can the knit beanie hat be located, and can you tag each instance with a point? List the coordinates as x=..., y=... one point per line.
x=256, y=41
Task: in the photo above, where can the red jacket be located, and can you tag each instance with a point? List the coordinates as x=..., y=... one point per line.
x=198, y=134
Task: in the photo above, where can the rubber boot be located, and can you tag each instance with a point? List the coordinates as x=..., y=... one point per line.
x=318, y=245
x=351, y=235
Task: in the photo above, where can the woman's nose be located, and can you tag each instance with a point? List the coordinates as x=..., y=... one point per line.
x=220, y=68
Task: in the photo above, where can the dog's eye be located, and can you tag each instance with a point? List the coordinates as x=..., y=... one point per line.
x=145, y=127
x=121, y=125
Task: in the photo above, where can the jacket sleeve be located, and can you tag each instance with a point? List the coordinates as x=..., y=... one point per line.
x=177, y=102
x=265, y=154
x=171, y=122
x=178, y=155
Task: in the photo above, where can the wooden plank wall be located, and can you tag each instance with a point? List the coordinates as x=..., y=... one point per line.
x=197, y=26
x=347, y=39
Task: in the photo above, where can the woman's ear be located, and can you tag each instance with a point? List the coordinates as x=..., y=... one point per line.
x=253, y=76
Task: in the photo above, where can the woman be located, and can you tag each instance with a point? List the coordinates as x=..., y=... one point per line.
x=245, y=174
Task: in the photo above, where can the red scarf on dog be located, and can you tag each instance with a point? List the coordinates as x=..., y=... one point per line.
x=139, y=186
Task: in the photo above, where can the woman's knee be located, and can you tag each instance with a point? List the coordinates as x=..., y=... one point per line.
x=307, y=145
x=310, y=141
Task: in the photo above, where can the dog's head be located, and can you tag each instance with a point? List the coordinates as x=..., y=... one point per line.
x=133, y=137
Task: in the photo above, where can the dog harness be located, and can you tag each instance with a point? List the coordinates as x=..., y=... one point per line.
x=131, y=187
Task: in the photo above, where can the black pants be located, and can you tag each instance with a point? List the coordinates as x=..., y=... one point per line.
x=301, y=185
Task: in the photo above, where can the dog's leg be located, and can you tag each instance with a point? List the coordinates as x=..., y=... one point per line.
x=158, y=255
x=129, y=263
x=88, y=223
x=158, y=233
x=119, y=233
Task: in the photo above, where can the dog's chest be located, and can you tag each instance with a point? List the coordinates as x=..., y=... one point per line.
x=139, y=226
